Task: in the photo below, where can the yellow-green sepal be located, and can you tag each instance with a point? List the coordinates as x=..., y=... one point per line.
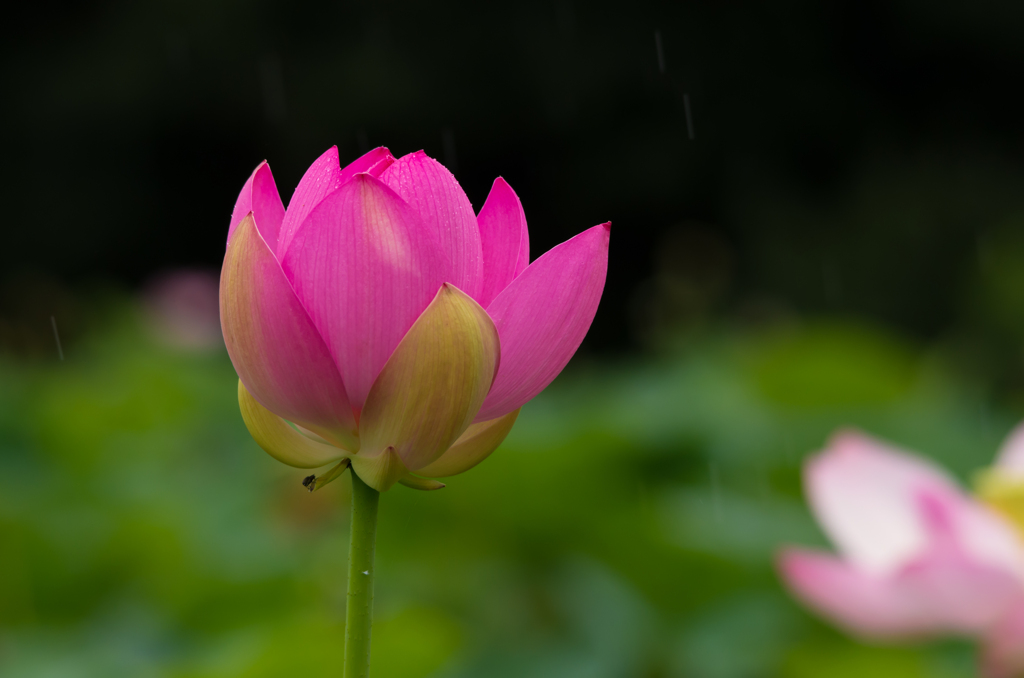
x=418, y=483
x=434, y=382
x=281, y=441
x=380, y=471
x=472, y=447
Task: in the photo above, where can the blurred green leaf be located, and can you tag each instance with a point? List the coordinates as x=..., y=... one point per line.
x=625, y=528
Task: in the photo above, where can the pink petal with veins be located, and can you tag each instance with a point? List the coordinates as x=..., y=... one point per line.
x=441, y=203
x=322, y=178
x=273, y=344
x=504, y=238
x=365, y=266
x=259, y=195
x=542, y=317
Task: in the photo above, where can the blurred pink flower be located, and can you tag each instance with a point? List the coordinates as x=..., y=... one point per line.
x=181, y=307
x=390, y=324
x=918, y=557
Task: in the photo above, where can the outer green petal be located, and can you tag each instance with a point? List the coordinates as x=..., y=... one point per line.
x=417, y=483
x=280, y=440
x=434, y=382
x=380, y=471
x=472, y=447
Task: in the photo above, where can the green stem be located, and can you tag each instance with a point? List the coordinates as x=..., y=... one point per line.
x=359, y=614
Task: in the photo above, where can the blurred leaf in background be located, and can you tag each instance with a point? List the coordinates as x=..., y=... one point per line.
x=626, y=528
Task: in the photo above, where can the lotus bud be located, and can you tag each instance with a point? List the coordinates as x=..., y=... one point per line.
x=378, y=323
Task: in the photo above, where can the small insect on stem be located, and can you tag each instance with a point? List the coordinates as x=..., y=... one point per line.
x=314, y=482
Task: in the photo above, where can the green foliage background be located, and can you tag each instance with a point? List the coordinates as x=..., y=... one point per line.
x=626, y=528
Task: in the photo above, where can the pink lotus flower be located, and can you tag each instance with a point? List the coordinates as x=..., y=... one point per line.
x=379, y=320
x=918, y=557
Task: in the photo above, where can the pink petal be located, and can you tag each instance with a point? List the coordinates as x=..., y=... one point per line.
x=436, y=196
x=365, y=266
x=955, y=521
x=275, y=348
x=323, y=177
x=542, y=317
x=1011, y=454
x=1002, y=655
x=938, y=593
x=259, y=195
x=503, y=237
x=524, y=252
x=864, y=494
x=373, y=163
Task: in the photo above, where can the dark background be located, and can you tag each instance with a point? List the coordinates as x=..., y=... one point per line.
x=847, y=158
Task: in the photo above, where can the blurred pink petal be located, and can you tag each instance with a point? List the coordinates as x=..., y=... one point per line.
x=277, y=352
x=542, y=317
x=259, y=195
x=920, y=557
x=183, y=309
x=504, y=238
x=436, y=196
x=323, y=177
x=364, y=266
x=867, y=497
x=863, y=494
x=972, y=528
x=1002, y=654
x=1011, y=454
x=940, y=591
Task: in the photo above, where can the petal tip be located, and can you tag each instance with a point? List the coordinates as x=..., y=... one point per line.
x=417, y=483
x=333, y=154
